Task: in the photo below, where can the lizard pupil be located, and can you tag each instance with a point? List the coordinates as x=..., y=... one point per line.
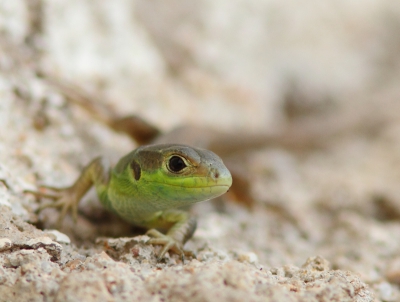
x=176, y=164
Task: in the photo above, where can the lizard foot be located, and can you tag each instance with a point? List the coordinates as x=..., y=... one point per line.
x=169, y=243
x=64, y=199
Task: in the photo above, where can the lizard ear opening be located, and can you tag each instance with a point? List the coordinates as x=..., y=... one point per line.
x=137, y=171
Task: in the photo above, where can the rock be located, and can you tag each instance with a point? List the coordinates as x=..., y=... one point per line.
x=5, y=244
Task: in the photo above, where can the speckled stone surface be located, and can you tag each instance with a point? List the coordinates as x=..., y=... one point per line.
x=325, y=223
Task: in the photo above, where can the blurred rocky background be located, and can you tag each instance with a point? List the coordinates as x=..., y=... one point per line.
x=318, y=82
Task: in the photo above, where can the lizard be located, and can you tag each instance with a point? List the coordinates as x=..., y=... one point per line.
x=146, y=187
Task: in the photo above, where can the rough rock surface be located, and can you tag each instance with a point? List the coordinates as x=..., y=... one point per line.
x=325, y=225
x=42, y=269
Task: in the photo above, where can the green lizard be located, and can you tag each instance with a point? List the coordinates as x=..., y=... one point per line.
x=147, y=185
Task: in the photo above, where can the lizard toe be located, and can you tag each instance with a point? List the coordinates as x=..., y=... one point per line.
x=169, y=243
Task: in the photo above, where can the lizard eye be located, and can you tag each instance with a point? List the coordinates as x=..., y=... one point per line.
x=176, y=164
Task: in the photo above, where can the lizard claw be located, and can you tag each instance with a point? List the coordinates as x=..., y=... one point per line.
x=64, y=199
x=169, y=243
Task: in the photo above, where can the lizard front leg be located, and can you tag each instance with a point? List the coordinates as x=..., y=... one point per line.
x=67, y=199
x=182, y=226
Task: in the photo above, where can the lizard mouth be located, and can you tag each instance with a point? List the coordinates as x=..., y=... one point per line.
x=221, y=186
x=194, y=187
x=201, y=191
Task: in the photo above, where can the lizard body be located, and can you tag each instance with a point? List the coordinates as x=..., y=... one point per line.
x=147, y=186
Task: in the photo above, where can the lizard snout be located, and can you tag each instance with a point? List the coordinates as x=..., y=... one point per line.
x=221, y=176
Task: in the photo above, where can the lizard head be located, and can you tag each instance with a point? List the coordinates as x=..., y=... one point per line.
x=172, y=175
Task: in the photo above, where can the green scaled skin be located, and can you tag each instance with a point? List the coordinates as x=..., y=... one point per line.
x=147, y=185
